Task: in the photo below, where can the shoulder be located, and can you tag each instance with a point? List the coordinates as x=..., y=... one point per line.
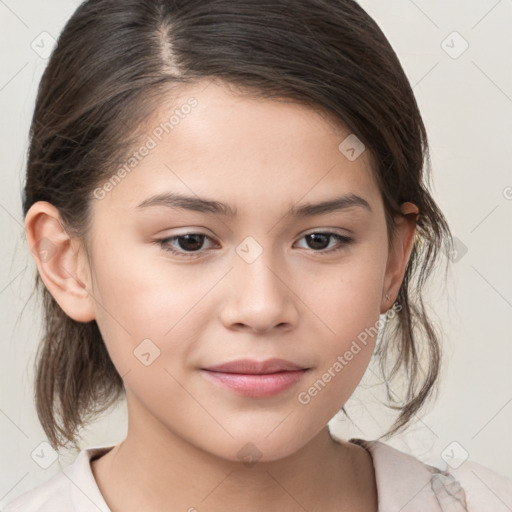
x=486, y=490
x=405, y=483
x=72, y=489
x=51, y=495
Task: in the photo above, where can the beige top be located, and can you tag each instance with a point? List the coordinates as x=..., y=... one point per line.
x=404, y=484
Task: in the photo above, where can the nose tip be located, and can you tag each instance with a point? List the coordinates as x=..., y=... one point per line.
x=258, y=299
x=261, y=328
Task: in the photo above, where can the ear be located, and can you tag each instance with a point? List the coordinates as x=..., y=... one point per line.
x=399, y=254
x=60, y=261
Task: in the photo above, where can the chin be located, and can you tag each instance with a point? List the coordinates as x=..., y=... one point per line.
x=250, y=450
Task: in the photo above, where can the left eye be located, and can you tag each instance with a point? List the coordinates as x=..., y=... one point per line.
x=191, y=244
x=320, y=238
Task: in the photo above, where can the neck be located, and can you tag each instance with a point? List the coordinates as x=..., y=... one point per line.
x=165, y=472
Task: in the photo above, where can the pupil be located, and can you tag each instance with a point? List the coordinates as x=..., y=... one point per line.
x=197, y=242
x=319, y=238
x=194, y=242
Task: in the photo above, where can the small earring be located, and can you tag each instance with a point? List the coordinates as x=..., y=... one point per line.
x=387, y=297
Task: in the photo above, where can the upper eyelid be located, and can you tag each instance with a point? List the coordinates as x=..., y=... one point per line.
x=342, y=242
x=316, y=230
x=201, y=231
x=328, y=231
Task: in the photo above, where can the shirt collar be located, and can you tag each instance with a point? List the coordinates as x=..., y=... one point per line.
x=403, y=482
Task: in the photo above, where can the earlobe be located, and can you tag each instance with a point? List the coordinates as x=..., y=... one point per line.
x=62, y=268
x=400, y=253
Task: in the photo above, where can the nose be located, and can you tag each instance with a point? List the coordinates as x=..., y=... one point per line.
x=259, y=297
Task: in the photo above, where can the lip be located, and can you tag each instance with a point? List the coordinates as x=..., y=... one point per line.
x=251, y=367
x=256, y=379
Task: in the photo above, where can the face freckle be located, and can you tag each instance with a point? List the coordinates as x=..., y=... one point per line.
x=264, y=292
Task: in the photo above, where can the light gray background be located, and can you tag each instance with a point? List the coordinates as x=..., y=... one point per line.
x=466, y=103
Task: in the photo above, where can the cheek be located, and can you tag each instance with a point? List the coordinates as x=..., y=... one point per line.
x=346, y=303
x=343, y=358
x=347, y=299
x=152, y=314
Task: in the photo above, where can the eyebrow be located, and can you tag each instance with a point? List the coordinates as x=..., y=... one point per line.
x=203, y=205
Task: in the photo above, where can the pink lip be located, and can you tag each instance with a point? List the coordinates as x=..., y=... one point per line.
x=248, y=366
x=256, y=379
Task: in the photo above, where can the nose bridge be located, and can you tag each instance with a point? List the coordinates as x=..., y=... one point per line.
x=255, y=270
x=259, y=297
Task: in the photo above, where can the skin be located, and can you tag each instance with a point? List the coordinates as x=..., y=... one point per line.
x=293, y=302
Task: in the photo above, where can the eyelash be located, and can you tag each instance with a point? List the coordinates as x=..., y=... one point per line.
x=164, y=243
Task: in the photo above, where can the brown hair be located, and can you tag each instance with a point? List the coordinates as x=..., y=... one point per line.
x=115, y=61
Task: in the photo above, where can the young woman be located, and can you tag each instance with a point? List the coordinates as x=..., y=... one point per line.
x=223, y=198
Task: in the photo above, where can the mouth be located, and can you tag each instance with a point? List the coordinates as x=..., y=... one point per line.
x=251, y=367
x=256, y=379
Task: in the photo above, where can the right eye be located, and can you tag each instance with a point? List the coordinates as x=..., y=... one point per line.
x=189, y=244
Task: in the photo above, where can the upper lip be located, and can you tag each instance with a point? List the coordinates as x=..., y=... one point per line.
x=248, y=366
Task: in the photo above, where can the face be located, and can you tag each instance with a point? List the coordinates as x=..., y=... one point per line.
x=180, y=288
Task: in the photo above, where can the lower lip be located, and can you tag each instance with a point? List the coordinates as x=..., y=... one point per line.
x=256, y=386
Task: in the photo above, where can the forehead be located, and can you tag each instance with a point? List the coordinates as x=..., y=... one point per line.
x=211, y=140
